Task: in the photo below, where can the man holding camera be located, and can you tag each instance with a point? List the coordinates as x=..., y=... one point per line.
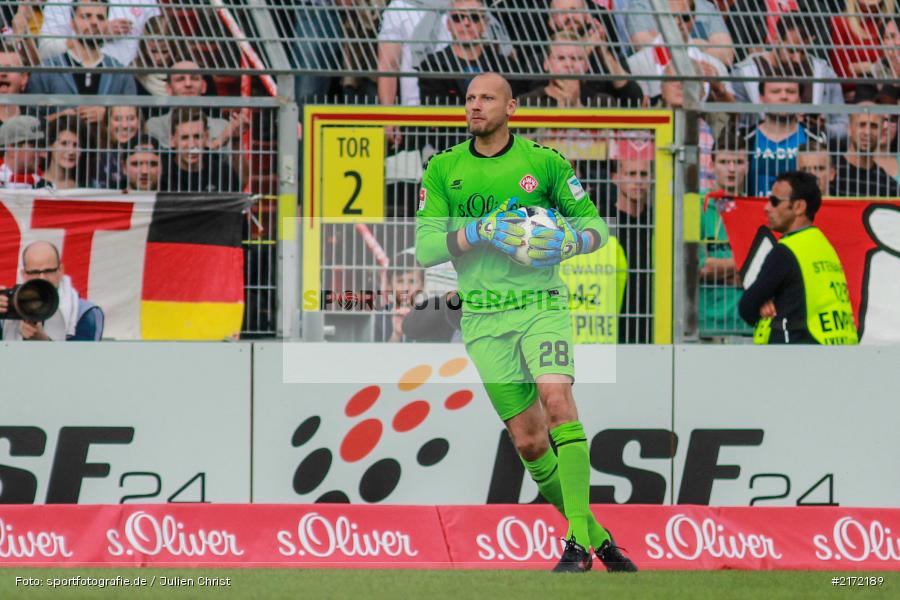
x=76, y=319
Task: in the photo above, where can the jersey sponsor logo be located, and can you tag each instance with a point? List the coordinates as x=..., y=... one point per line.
x=422, y=195
x=528, y=183
x=477, y=205
x=576, y=189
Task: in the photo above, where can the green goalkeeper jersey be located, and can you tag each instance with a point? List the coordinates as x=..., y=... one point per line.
x=460, y=186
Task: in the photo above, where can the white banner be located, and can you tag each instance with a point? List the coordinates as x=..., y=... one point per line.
x=112, y=423
x=102, y=237
x=782, y=426
x=160, y=266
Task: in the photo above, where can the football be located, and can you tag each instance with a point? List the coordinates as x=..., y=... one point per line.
x=534, y=216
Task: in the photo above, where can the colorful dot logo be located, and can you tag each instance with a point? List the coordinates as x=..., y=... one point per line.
x=363, y=436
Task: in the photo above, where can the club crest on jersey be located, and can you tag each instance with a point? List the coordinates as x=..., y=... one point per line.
x=422, y=194
x=528, y=183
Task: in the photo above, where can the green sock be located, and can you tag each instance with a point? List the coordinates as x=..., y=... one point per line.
x=571, y=482
x=545, y=474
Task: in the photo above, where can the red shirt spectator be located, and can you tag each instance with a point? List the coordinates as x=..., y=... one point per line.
x=860, y=25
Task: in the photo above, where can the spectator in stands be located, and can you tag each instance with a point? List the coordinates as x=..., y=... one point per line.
x=192, y=167
x=189, y=83
x=121, y=28
x=857, y=172
x=701, y=24
x=720, y=282
x=566, y=56
x=888, y=68
x=120, y=127
x=403, y=22
x=774, y=142
x=470, y=51
x=75, y=320
x=88, y=19
x=66, y=144
x=856, y=38
x=407, y=283
x=142, y=165
x=652, y=61
x=888, y=157
x=594, y=33
x=317, y=28
x=672, y=96
x=21, y=27
x=21, y=139
x=631, y=217
x=789, y=58
x=745, y=20
x=814, y=158
x=11, y=81
x=155, y=54
x=360, y=28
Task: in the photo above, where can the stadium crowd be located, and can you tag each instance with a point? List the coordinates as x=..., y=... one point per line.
x=746, y=51
x=543, y=44
x=119, y=147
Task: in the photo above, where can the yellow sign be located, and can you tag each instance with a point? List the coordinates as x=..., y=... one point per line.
x=351, y=121
x=352, y=174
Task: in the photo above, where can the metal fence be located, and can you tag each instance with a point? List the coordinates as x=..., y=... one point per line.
x=367, y=263
x=186, y=145
x=691, y=56
x=743, y=158
x=357, y=39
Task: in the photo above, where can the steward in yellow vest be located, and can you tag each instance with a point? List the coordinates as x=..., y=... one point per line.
x=800, y=295
x=596, y=283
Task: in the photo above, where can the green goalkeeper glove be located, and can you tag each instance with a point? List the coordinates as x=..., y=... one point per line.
x=548, y=247
x=501, y=227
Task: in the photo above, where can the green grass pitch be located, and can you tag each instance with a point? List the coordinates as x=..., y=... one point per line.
x=264, y=584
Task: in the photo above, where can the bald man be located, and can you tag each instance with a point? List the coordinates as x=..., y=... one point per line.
x=516, y=323
x=75, y=320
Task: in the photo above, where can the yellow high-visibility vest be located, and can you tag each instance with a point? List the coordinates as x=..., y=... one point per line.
x=596, y=283
x=829, y=314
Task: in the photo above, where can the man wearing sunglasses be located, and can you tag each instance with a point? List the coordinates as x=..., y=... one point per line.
x=75, y=320
x=470, y=52
x=800, y=295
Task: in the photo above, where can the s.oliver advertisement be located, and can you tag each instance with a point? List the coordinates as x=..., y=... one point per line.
x=487, y=537
x=124, y=423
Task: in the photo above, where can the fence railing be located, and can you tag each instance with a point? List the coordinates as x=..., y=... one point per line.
x=173, y=145
x=672, y=56
x=356, y=272
x=359, y=39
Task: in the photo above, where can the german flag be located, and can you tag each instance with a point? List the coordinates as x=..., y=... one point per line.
x=193, y=285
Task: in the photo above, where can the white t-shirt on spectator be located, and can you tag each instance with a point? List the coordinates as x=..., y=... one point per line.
x=58, y=21
x=653, y=59
x=404, y=21
x=707, y=18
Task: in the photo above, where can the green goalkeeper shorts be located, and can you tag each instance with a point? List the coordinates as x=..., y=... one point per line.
x=512, y=348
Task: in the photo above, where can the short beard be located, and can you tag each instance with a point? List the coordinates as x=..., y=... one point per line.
x=91, y=43
x=484, y=132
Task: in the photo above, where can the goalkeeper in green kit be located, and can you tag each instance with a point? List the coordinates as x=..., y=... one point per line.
x=515, y=322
